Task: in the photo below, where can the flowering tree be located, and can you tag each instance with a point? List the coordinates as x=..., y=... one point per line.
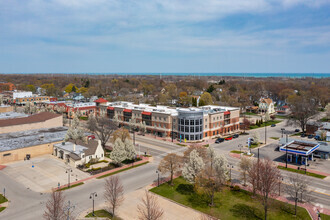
x=129, y=149
x=118, y=153
x=142, y=127
x=75, y=132
x=171, y=163
x=193, y=167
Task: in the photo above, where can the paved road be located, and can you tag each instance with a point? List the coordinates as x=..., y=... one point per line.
x=30, y=205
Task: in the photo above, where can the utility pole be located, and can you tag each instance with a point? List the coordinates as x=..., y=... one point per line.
x=172, y=130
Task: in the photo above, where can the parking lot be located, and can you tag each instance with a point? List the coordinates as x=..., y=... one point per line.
x=41, y=174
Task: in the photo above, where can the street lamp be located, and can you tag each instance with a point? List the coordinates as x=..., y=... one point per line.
x=282, y=129
x=68, y=210
x=92, y=196
x=240, y=148
x=230, y=167
x=157, y=171
x=68, y=171
x=279, y=185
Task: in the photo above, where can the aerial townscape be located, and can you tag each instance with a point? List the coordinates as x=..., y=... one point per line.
x=164, y=110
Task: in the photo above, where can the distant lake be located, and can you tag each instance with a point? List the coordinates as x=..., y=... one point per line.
x=288, y=75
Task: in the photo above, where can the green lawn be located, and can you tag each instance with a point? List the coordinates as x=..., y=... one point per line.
x=325, y=217
x=102, y=213
x=71, y=186
x=236, y=151
x=182, y=145
x=2, y=208
x=128, y=168
x=301, y=172
x=268, y=123
x=282, y=116
x=2, y=199
x=250, y=113
x=228, y=204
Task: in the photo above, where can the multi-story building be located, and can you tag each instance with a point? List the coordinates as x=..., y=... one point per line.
x=191, y=124
x=34, y=99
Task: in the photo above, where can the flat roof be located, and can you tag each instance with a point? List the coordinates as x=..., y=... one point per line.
x=17, y=140
x=9, y=115
x=40, y=117
x=208, y=109
x=300, y=147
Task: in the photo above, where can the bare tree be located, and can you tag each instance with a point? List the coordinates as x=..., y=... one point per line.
x=253, y=175
x=298, y=187
x=102, y=126
x=268, y=181
x=303, y=108
x=171, y=163
x=55, y=206
x=149, y=208
x=114, y=193
x=244, y=165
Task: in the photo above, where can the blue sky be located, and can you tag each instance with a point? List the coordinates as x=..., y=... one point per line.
x=128, y=36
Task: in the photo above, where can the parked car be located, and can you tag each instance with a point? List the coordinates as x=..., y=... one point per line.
x=273, y=125
x=219, y=140
x=310, y=136
x=91, y=137
x=228, y=138
x=303, y=135
x=297, y=130
x=318, y=138
x=235, y=136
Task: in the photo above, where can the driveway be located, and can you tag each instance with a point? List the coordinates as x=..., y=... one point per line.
x=41, y=174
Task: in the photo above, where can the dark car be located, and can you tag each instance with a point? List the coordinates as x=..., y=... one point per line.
x=235, y=136
x=310, y=136
x=228, y=138
x=273, y=125
x=219, y=140
x=297, y=130
x=318, y=138
x=303, y=135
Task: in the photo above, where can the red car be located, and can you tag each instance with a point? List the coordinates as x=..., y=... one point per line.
x=91, y=137
x=228, y=138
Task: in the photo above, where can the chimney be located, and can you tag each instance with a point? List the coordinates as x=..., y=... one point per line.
x=74, y=147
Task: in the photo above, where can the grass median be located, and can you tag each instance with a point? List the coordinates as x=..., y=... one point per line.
x=301, y=172
x=71, y=186
x=118, y=171
x=268, y=123
x=2, y=199
x=102, y=214
x=2, y=208
x=229, y=204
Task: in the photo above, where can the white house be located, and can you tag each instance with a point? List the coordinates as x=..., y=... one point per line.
x=266, y=105
x=80, y=153
x=17, y=95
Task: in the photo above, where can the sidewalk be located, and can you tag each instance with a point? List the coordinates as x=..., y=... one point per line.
x=144, y=159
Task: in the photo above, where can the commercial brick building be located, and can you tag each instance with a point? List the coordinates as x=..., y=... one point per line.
x=191, y=124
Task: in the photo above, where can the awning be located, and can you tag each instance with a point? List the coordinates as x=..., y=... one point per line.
x=111, y=108
x=227, y=113
x=146, y=113
x=128, y=110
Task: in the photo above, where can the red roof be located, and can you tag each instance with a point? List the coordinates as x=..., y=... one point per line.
x=146, y=113
x=100, y=100
x=227, y=113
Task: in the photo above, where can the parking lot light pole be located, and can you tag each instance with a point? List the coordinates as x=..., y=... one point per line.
x=240, y=148
x=279, y=185
x=230, y=166
x=68, y=171
x=92, y=196
x=157, y=171
x=282, y=129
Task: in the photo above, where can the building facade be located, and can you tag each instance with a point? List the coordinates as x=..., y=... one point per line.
x=190, y=124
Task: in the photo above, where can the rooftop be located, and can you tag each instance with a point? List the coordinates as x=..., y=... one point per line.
x=40, y=117
x=208, y=109
x=300, y=147
x=9, y=115
x=17, y=140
